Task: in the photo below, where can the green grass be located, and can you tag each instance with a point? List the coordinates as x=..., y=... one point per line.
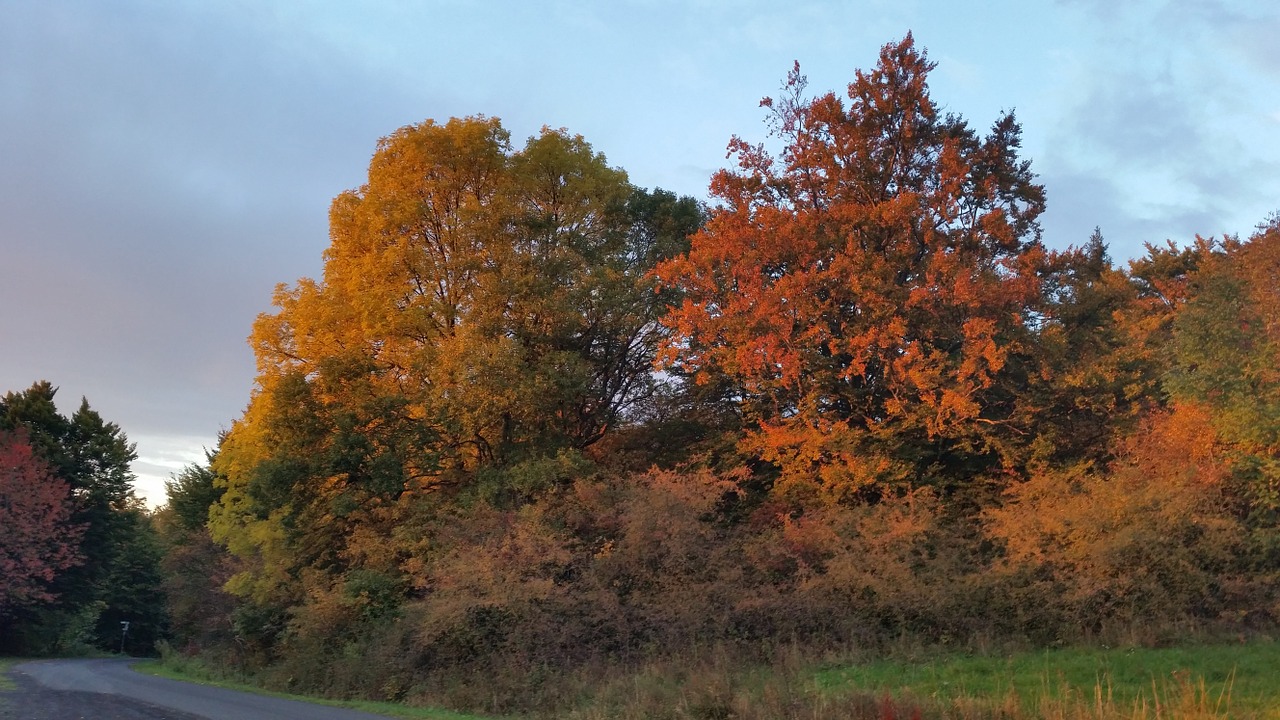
x=1203, y=681
x=5, y=682
x=159, y=669
x=1247, y=676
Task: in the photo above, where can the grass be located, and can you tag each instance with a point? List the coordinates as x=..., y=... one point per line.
x=1203, y=681
x=1237, y=680
x=192, y=674
x=5, y=682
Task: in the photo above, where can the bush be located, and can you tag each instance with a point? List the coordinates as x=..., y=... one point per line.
x=1150, y=539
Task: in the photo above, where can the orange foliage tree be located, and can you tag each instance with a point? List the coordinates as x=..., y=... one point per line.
x=1151, y=535
x=868, y=288
x=418, y=496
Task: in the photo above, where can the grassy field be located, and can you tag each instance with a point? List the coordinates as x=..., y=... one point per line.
x=1225, y=680
x=1207, y=681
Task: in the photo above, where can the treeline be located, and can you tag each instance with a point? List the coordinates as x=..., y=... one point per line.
x=882, y=409
x=78, y=553
x=885, y=409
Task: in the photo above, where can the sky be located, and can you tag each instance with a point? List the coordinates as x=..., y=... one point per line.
x=165, y=164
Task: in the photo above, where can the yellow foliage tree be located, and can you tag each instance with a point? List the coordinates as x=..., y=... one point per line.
x=480, y=307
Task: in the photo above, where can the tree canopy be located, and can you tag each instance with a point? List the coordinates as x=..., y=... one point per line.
x=533, y=421
x=37, y=538
x=482, y=307
x=869, y=286
x=117, y=577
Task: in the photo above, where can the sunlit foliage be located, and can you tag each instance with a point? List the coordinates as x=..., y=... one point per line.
x=870, y=287
x=885, y=413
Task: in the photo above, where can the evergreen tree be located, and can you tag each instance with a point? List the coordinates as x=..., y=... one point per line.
x=118, y=577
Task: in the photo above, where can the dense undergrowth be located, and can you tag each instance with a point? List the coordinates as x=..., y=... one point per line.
x=1202, y=680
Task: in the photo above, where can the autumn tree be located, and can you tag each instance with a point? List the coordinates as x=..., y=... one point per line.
x=868, y=287
x=92, y=456
x=886, y=410
x=37, y=538
x=484, y=311
x=1225, y=355
x=1149, y=535
x=1093, y=370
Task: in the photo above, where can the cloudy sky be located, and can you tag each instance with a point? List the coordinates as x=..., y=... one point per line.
x=164, y=164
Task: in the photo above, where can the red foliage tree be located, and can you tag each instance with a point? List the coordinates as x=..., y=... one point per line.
x=37, y=537
x=868, y=288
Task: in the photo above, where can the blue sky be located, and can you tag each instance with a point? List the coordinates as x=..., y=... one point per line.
x=164, y=164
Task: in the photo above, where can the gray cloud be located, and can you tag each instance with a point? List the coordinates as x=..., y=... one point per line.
x=1162, y=138
x=164, y=164
x=162, y=172
x=163, y=168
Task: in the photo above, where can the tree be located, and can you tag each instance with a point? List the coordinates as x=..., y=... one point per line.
x=132, y=589
x=194, y=567
x=1150, y=535
x=484, y=312
x=92, y=456
x=1094, y=371
x=37, y=538
x=867, y=288
x=1225, y=355
x=192, y=492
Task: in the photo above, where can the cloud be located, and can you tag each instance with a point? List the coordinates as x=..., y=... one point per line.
x=166, y=164
x=164, y=168
x=160, y=457
x=1171, y=134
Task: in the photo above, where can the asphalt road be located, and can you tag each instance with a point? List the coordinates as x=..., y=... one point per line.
x=110, y=690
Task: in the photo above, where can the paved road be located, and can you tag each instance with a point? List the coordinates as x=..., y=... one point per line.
x=109, y=690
